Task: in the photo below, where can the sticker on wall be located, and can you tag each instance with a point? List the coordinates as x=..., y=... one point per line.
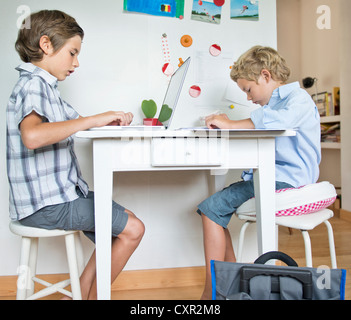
x=206, y=11
x=219, y=3
x=166, y=8
x=186, y=40
x=194, y=91
x=167, y=68
x=215, y=50
x=244, y=10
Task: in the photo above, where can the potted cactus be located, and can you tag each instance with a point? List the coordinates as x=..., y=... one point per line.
x=149, y=109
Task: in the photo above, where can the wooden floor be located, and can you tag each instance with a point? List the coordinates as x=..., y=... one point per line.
x=292, y=244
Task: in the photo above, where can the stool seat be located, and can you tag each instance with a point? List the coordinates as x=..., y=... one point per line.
x=303, y=222
x=28, y=262
x=24, y=231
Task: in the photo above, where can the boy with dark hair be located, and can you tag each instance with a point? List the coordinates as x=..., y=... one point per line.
x=46, y=186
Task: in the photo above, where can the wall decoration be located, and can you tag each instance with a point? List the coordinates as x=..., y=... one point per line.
x=219, y=3
x=166, y=8
x=206, y=11
x=194, y=91
x=244, y=9
x=167, y=68
x=186, y=40
x=215, y=50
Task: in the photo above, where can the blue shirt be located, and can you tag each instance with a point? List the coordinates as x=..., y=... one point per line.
x=297, y=158
x=48, y=175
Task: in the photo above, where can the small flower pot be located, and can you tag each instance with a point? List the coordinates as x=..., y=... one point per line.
x=152, y=122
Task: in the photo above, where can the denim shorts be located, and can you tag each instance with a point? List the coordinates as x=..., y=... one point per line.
x=221, y=206
x=76, y=215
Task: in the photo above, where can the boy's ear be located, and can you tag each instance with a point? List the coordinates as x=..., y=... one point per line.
x=266, y=75
x=45, y=44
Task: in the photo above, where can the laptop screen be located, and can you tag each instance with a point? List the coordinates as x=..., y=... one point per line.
x=173, y=92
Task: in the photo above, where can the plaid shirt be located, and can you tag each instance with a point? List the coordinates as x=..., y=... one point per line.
x=47, y=175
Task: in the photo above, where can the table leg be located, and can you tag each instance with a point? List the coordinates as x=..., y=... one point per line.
x=264, y=181
x=103, y=178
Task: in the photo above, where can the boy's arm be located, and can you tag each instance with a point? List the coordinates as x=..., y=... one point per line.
x=223, y=122
x=35, y=133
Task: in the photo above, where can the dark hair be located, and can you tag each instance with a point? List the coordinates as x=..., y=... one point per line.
x=56, y=25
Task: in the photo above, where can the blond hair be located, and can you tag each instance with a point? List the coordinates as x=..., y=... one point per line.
x=252, y=62
x=56, y=25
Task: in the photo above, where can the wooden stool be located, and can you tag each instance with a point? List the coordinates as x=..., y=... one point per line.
x=28, y=262
x=303, y=223
x=301, y=208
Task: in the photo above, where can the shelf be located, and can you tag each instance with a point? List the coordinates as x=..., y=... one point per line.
x=330, y=119
x=330, y=145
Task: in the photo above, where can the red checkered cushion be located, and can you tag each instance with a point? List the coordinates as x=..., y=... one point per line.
x=297, y=201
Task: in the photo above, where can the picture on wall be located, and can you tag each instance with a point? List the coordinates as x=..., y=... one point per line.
x=206, y=11
x=244, y=9
x=166, y=8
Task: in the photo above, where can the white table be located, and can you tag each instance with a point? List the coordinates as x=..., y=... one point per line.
x=157, y=150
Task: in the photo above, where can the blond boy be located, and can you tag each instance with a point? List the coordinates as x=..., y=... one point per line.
x=263, y=74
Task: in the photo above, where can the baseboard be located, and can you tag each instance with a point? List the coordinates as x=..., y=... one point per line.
x=127, y=280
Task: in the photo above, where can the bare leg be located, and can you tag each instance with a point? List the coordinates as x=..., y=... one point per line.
x=218, y=246
x=123, y=247
x=229, y=251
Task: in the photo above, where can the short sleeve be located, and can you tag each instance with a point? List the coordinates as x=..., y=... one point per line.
x=31, y=98
x=37, y=95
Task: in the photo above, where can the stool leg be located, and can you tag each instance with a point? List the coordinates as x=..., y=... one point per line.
x=79, y=251
x=23, y=269
x=241, y=240
x=308, y=249
x=331, y=244
x=73, y=266
x=33, y=255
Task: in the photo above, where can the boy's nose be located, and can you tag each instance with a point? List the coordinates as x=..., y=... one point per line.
x=76, y=63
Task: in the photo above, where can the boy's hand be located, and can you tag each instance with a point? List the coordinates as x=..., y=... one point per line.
x=113, y=118
x=217, y=121
x=123, y=119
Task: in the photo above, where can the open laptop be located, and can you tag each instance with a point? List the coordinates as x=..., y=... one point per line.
x=170, y=100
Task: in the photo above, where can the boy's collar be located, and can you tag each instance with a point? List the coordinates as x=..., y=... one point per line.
x=285, y=89
x=31, y=68
x=282, y=91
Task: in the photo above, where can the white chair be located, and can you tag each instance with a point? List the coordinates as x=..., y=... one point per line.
x=28, y=262
x=301, y=209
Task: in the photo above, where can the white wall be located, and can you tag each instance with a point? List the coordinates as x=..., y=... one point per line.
x=121, y=62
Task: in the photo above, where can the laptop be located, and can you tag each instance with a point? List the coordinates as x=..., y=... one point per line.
x=170, y=101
